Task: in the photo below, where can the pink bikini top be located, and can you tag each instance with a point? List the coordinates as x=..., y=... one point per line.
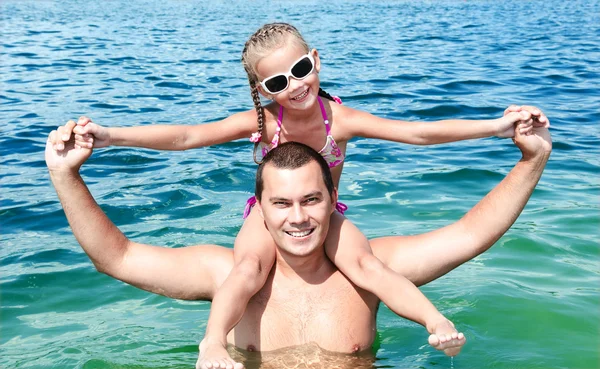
x=330, y=152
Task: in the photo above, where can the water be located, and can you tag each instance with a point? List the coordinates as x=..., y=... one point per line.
x=532, y=301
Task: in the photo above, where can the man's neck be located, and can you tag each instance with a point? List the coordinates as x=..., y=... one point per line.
x=312, y=268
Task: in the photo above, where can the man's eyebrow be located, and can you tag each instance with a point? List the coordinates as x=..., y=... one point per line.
x=314, y=194
x=308, y=195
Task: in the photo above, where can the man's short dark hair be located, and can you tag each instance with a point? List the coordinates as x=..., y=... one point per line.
x=292, y=155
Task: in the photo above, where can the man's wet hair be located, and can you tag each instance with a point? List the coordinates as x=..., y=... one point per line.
x=292, y=155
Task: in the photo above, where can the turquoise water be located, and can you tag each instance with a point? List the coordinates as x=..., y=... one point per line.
x=530, y=302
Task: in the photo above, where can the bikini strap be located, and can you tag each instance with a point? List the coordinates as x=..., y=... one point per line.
x=275, y=141
x=280, y=116
x=324, y=114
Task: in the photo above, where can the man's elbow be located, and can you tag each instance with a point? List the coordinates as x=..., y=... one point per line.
x=107, y=268
x=112, y=265
x=475, y=240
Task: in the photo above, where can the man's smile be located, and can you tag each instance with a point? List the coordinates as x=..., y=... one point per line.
x=300, y=234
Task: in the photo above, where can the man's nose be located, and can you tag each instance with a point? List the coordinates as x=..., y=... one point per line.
x=297, y=214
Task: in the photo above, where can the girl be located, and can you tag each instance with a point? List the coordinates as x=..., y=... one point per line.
x=282, y=68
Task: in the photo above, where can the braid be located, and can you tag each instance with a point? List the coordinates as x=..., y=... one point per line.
x=268, y=38
x=324, y=94
x=259, y=113
x=262, y=42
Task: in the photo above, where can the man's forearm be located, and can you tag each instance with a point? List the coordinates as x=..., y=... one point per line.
x=102, y=241
x=482, y=226
x=499, y=209
x=423, y=258
x=435, y=253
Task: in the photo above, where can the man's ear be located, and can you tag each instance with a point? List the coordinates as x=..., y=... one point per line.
x=315, y=55
x=259, y=209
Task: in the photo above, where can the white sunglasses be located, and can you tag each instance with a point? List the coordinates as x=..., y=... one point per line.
x=301, y=69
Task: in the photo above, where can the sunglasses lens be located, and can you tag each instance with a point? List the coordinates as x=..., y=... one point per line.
x=276, y=84
x=302, y=68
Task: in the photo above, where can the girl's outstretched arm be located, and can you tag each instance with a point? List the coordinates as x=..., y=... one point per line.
x=354, y=123
x=158, y=137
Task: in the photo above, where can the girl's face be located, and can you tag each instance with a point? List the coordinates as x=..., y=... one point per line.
x=300, y=94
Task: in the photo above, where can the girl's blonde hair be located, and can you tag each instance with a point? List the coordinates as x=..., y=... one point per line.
x=268, y=38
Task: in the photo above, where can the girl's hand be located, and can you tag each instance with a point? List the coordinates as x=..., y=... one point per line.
x=89, y=134
x=539, y=118
x=506, y=125
x=446, y=338
x=530, y=117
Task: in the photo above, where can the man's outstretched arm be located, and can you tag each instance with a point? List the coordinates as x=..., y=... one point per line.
x=185, y=273
x=423, y=258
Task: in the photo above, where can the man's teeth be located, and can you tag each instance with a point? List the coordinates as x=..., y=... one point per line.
x=300, y=234
x=301, y=96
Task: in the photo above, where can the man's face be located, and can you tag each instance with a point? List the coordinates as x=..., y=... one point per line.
x=296, y=208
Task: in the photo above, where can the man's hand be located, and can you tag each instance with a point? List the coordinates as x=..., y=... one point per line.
x=69, y=157
x=537, y=144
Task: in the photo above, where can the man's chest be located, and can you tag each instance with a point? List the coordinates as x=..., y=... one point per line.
x=335, y=316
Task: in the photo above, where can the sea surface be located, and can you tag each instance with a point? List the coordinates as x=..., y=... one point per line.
x=532, y=301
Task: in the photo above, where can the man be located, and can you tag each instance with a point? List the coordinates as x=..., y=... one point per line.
x=305, y=299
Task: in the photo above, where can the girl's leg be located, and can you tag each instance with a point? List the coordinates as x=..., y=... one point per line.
x=254, y=255
x=350, y=251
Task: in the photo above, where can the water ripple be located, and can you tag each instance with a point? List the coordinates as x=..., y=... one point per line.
x=160, y=62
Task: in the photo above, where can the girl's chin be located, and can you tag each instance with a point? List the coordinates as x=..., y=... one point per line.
x=306, y=101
